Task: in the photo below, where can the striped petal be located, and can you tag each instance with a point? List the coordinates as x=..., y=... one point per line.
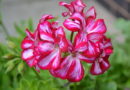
x=70, y=69
x=50, y=61
x=46, y=37
x=27, y=54
x=100, y=66
x=97, y=26
x=91, y=13
x=77, y=72
x=94, y=37
x=92, y=50
x=60, y=32
x=26, y=44
x=29, y=35
x=45, y=47
x=68, y=6
x=46, y=17
x=104, y=63
x=81, y=47
x=45, y=27
x=71, y=25
x=63, y=44
x=96, y=69
x=63, y=70
x=32, y=62
x=78, y=5
x=86, y=59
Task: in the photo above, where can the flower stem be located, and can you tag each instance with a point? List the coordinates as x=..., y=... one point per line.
x=37, y=74
x=71, y=36
x=66, y=84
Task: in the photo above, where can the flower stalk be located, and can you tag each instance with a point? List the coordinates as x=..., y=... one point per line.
x=71, y=36
x=37, y=74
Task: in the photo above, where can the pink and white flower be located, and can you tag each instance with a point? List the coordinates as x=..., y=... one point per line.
x=53, y=43
x=48, y=48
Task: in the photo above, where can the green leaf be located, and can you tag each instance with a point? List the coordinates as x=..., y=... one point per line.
x=8, y=56
x=24, y=84
x=20, y=67
x=19, y=30
x=128, y=84
x=109, y=86
x=10, y=67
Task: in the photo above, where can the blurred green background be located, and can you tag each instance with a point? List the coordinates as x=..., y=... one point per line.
x=16, y=75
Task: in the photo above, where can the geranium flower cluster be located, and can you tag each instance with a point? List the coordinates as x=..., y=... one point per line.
x=49, y=49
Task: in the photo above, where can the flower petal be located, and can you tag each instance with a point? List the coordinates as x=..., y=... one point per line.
x=27, y=54
x=104, y=63
x=50, y=61
x=81, y=47
x=60, y=32
x=45, y=27
x=26, y=44
x=63, y=44
x=64, y=14
x=30, y=35
x=45, y=47
x=77, y=73
x=54, y=25
x=70, y=69
x=62, y=71
x=68, y=6
x=96, y=69
x=86, y=59
x=46, y=17
x=97, y=26
x=32, y=62
x=78, y=5
x=77, y=18
x=92, y=50
x=95, y=37
x=91, y=12
x=46, y=37
x=71, y=25
x=79, y=38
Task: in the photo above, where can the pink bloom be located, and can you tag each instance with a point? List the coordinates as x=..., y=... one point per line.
x=48, y=48
x=53, y=43
x=102, y=64
x=90, y=30
x=71, y=67
x=28, y=45
x=74, y=6
x=43, y=49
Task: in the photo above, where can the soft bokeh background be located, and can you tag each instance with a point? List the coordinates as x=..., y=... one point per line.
x=16, y=15
x=13, y=11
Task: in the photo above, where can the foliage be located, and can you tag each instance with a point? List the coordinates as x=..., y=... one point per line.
x=16, y=75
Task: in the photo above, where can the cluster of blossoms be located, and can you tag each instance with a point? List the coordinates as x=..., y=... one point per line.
x=48, y=48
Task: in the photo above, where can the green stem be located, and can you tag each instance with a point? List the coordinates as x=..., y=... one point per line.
x=71, y=36
x=37, y=74
x=66, y=84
